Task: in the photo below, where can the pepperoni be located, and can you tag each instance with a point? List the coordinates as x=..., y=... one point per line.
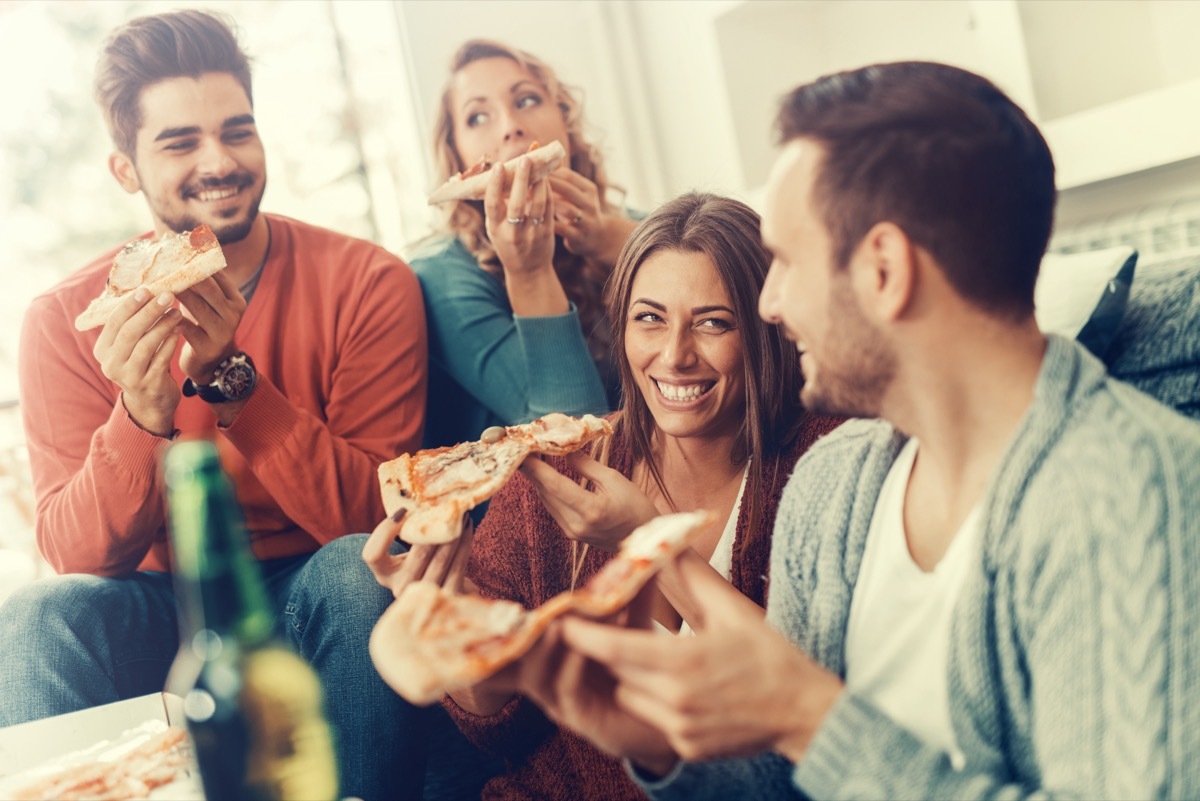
x=202, y=238
x=481, y=166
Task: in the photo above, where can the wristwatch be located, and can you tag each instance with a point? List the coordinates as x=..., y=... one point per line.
x=234, y=381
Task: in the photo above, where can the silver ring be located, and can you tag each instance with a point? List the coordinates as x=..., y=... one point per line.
x=577, y=219
x=536, y=220
x=515, y=220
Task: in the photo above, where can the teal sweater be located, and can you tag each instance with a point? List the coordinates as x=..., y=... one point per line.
x=488, y=367
x=1075, y=651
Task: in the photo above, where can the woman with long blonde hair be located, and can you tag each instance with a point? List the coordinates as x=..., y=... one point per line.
x=514, y=285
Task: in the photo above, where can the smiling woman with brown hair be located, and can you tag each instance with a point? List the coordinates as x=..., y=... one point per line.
x=712, y=420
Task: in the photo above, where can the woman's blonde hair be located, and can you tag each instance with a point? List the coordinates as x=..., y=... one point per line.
x=582, y=279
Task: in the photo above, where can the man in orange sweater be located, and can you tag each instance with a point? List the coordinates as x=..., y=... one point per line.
x=325, y=335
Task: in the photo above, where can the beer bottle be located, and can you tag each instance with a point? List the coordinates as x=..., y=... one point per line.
x=253, y=706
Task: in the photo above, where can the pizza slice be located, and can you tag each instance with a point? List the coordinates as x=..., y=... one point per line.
x=472, y=184
x=646, y=550
x=163, y=759
x=435, y=487
x=171, y=263
x=430, y=641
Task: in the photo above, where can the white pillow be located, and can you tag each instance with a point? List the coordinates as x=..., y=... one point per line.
x=1083, y=295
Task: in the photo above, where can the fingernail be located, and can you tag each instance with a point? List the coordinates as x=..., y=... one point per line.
x=165, y=299
x=399, y=515
x=141, y=294
x=493, y=434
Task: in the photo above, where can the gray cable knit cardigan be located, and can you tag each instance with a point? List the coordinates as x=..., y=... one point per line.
x=1075, y=650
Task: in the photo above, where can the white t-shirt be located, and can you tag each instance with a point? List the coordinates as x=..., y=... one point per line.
x=722, y=558
x=898, y=635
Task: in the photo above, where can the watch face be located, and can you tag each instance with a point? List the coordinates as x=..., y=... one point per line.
x=237, y=381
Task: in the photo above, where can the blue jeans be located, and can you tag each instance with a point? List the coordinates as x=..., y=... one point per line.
x=392, y=740
x=77, y=641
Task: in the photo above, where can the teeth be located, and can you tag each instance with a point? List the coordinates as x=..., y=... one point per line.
x=673, y=392
x=216, y=194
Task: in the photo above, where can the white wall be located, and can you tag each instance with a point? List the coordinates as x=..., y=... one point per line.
x=694, y=125
x=1075, y=53
x=716, y=69
x=766, y=49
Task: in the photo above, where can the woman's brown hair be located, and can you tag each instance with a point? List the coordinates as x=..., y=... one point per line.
x=727, y=232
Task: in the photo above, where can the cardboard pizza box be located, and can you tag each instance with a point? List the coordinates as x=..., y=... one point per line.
x=30, y=750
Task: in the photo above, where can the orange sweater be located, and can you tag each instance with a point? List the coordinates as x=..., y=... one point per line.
x=336, y=328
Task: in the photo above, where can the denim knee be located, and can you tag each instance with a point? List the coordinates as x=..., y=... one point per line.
x=52, y=604
x=337, y=587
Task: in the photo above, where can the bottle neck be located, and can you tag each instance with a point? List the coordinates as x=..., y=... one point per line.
x=218, y=581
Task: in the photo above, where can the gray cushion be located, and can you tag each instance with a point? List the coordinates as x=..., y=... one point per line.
x=1083, y=295
x=1157, y=346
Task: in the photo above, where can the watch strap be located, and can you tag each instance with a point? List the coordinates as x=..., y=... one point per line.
x=209, y=393
x=215, y=392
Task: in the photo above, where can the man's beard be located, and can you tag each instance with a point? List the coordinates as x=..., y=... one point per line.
x=226, y=234
x=852, y=383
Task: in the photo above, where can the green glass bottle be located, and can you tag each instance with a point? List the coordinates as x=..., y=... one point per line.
x=253, y=706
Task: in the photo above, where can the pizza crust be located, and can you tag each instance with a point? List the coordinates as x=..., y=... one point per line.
x=171, y=263
x=163, y=761
x=431, y=641
x=543, y=161
x=436, y=487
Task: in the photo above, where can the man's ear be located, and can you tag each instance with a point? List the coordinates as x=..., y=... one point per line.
x=885, y=271
x=121, y=167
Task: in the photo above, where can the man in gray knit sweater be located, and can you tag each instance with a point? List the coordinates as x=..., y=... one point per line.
x=991, y=589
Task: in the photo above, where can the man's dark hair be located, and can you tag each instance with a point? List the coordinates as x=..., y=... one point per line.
x=144, y=51
x=943, y=154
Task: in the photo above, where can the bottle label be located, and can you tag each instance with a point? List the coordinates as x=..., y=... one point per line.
x=291, y=753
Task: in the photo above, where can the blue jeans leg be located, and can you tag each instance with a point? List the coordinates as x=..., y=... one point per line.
x=73, y=642
x=77, y=641
x=457, y=770
x=382, y=741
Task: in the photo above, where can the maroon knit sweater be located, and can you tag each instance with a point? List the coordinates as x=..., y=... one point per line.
x=521, y=554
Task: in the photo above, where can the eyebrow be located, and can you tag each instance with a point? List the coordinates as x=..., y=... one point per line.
x=708, y=309
x=192, y=130
x=696, y=310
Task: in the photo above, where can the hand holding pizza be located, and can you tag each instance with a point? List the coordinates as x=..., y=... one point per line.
x=135, y=349
x=212, y=311
x=516, y=224
x=432, y=640
x=737, y=688
x=602, y=516
x=580, y=218
x=578, y=693
x=444, y=564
